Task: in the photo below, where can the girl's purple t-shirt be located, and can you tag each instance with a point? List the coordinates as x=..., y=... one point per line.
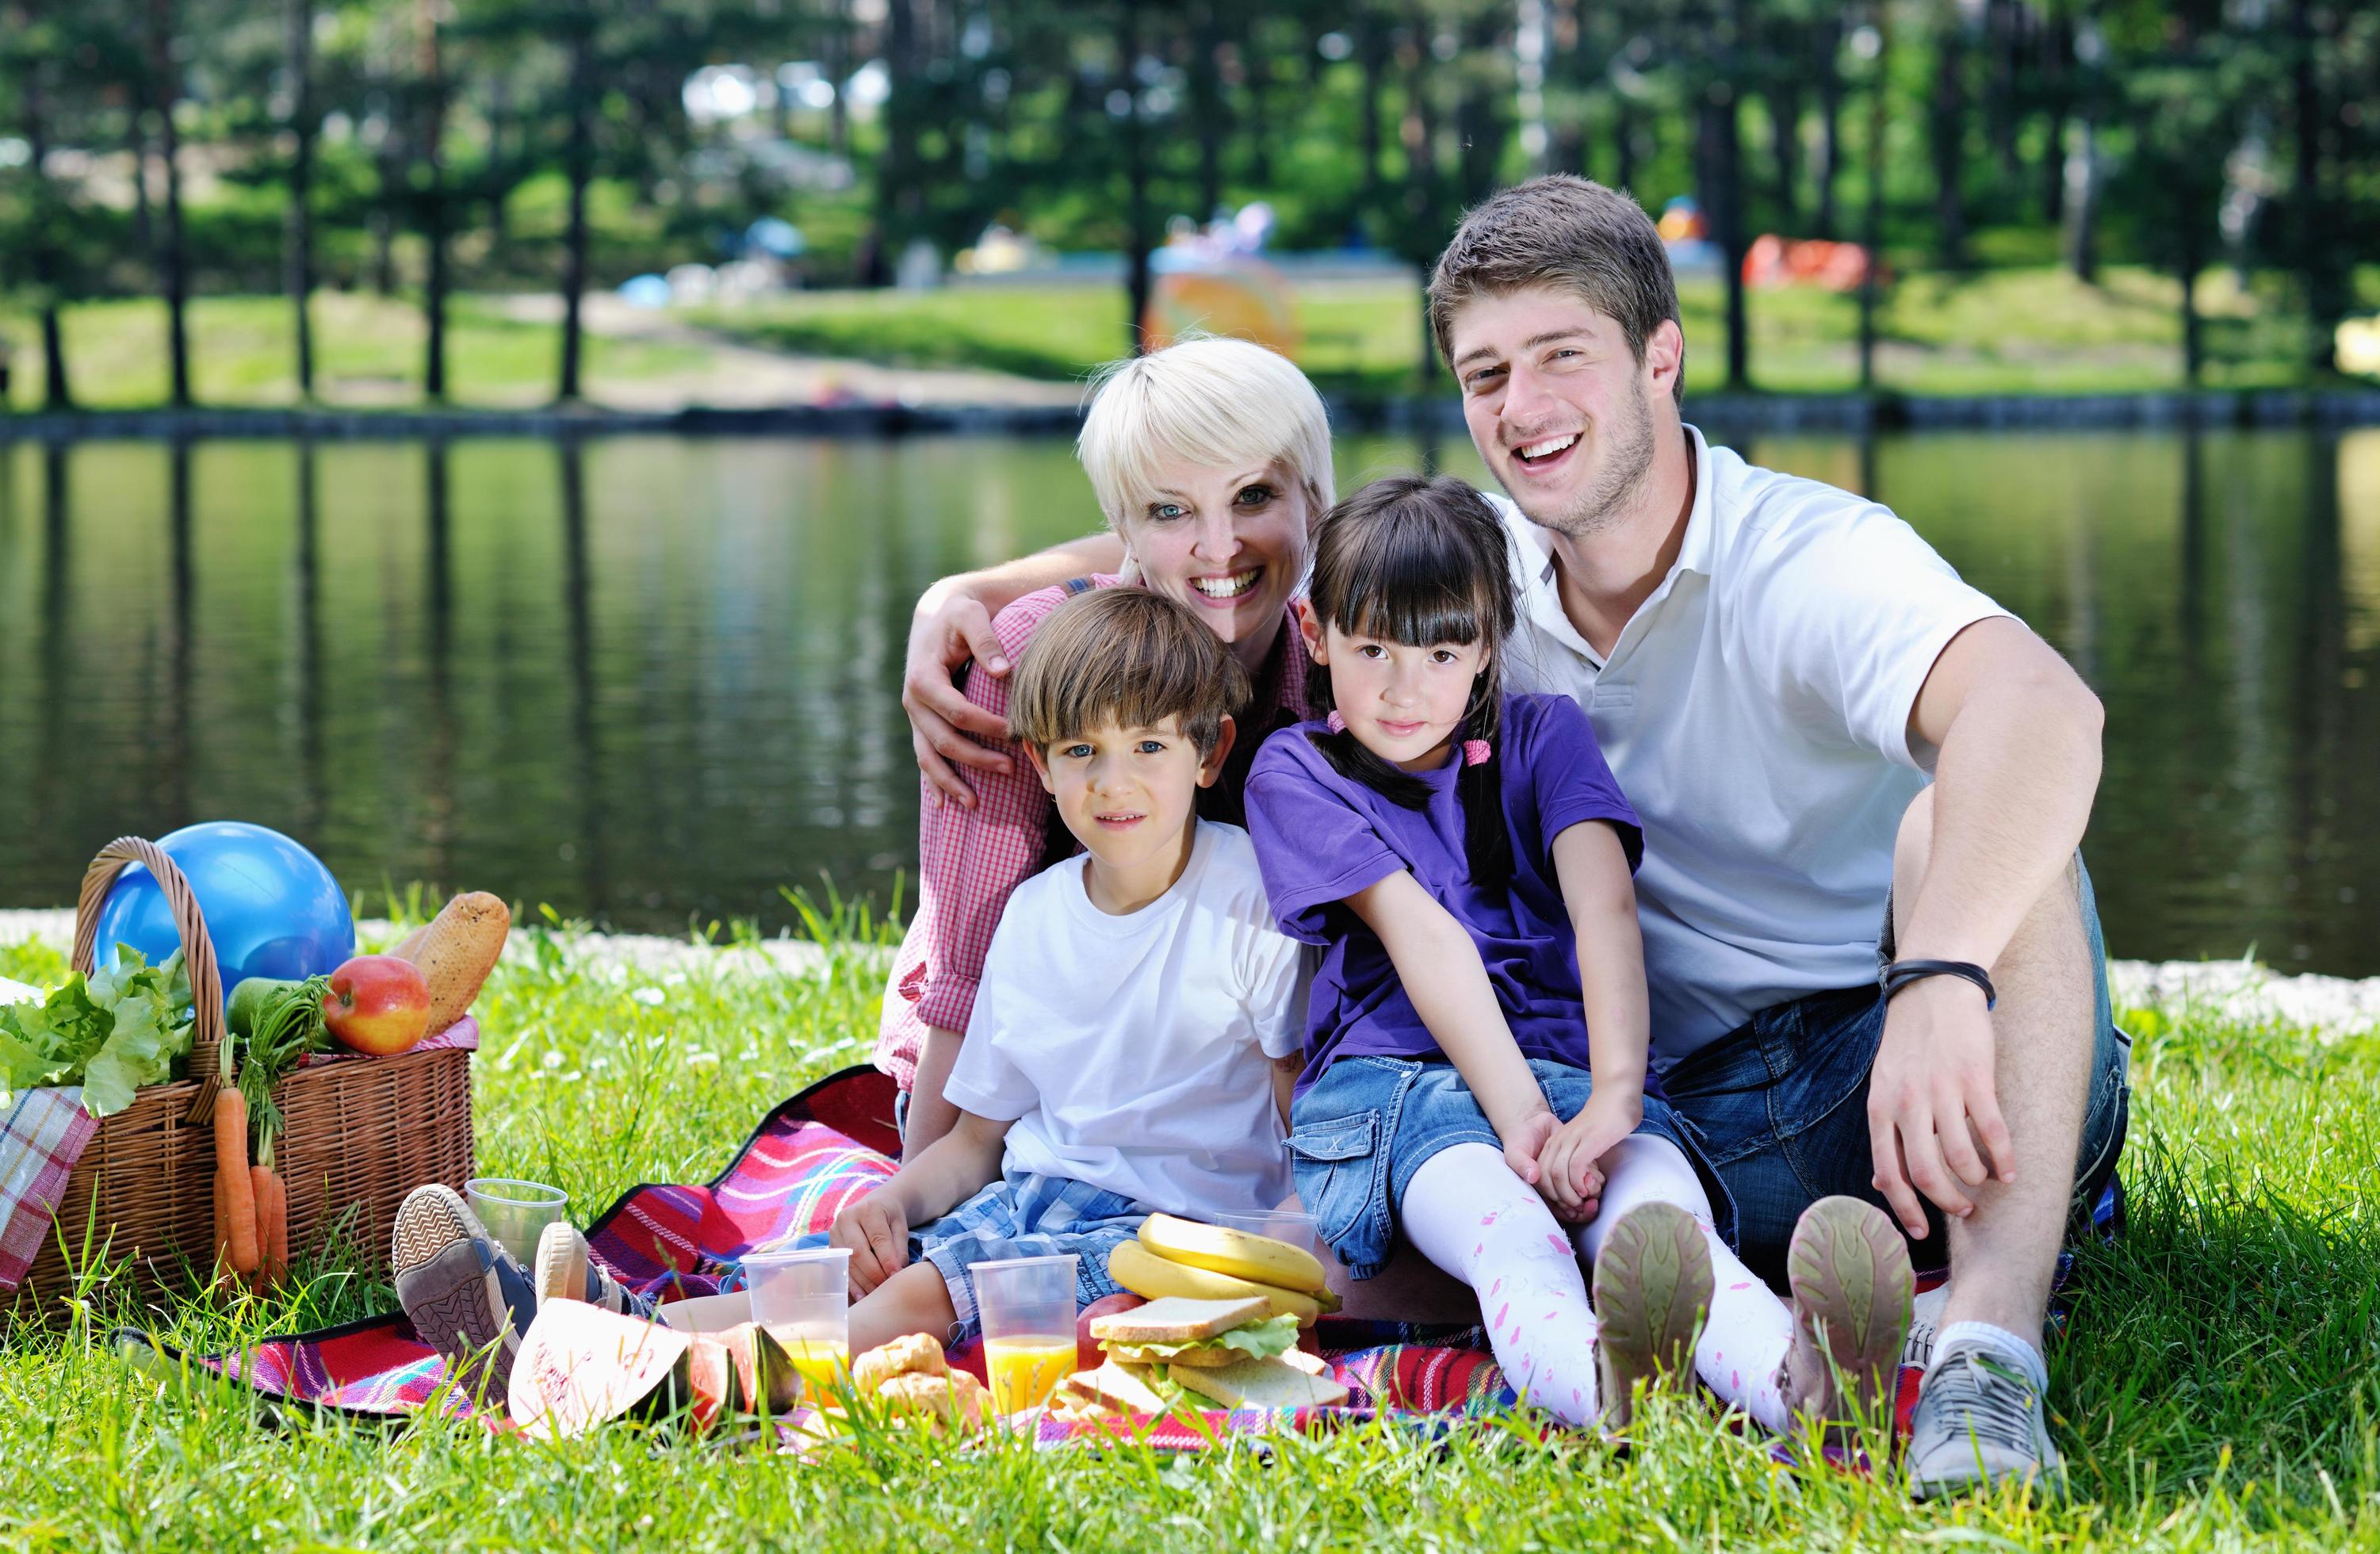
x=1321, y=838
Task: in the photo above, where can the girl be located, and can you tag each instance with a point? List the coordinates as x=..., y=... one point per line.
x=1476, y=1074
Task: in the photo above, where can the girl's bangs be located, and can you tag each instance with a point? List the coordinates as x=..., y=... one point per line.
x=1413, y=588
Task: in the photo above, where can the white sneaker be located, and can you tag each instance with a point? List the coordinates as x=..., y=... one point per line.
x=1979, y=1421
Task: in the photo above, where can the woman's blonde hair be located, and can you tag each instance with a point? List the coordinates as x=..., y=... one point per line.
x=1214, y=402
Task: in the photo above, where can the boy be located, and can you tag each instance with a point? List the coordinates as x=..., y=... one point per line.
x=1137, y=1026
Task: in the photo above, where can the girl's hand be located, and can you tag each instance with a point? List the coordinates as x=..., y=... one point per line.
x=1571, y=1164
x=1525, y=1141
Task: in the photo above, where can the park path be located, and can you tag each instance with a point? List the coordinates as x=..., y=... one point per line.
x=2330, y=1006
x=741, y=376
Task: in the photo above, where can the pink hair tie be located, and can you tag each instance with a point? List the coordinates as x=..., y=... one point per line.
x=1335, y=722
x=1476, y=751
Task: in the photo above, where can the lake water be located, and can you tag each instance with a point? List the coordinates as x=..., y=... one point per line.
x=650, y=680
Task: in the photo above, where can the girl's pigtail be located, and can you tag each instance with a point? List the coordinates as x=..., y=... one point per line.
x=1487, y=838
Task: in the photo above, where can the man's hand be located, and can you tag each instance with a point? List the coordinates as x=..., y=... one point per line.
x=948, y=629
x=877, y=1233
x=1572, y=1161
x=1525, y=1141
x=1931, y=1097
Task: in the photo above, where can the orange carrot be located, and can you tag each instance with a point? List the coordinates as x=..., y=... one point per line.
x=230, y=1172
x=269, y=1224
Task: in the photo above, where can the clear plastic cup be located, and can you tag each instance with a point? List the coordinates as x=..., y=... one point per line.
x=516, y=1212
x=1292, y=1225
x=803, y=1300
x=1027, y=1308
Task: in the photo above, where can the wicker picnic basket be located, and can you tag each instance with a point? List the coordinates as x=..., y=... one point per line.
x=359, y=1135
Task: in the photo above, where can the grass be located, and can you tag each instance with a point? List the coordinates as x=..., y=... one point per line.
x=2019, y=330
x=2217, y=1387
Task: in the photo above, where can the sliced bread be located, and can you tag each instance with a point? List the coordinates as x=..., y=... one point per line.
x=1177, y=1319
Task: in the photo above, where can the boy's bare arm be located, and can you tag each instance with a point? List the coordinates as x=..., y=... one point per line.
x=945, y=1174
x=1284, y=1083
x=931, y=1113
x=1442, y=975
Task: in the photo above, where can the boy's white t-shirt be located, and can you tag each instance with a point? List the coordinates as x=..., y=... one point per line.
x=1133, y=1053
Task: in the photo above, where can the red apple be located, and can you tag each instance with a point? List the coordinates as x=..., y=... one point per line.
x=377, y=1004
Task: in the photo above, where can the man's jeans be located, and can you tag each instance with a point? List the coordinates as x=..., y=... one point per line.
x=1781, y=1106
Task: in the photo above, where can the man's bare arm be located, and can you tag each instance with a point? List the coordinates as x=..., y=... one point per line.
x=2013, y=733
x=951, y=626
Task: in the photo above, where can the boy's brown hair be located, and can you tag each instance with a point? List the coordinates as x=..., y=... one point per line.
x=1560, y=230
x=1127, y=656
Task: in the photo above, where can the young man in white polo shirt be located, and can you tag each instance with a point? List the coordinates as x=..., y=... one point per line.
x=1775, y=668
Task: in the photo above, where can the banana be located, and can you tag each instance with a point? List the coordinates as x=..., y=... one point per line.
x=1259, y=1259
x=1153, y=1277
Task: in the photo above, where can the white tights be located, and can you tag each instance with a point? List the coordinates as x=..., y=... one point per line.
x=1465, y=1211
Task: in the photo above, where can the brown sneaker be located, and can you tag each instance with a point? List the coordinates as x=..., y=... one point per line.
x=1852, y=1286
x=1653, y=1292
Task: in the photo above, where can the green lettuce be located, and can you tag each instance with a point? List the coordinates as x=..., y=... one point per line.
x=1257, y=1341
x=111, y=1033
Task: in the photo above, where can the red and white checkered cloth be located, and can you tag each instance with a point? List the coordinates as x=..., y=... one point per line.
x=970, y=861
x=46, y=1134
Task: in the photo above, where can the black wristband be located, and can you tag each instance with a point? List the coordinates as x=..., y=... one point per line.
x=1900, y=974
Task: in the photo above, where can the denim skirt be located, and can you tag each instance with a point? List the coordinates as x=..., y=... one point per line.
x=1360, y=1132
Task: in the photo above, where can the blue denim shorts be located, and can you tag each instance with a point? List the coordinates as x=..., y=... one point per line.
x=1780, y=1106
x=1360, y=1132
x=1028, y=1216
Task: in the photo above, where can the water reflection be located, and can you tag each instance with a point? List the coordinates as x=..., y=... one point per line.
x=650, y=679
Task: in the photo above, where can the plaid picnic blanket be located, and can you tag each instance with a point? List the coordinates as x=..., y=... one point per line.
x=808, y=1158
x=46, y=1134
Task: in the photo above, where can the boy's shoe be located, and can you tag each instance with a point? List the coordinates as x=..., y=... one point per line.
x=465, y=1295
x=566, y=1271
x=1653, y=1292
x=1979, y=1421
x=1849, y=1268
x=1924, y=1322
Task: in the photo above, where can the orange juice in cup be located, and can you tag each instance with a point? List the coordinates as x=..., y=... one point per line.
x=803, y=1299
x=1028, y=1307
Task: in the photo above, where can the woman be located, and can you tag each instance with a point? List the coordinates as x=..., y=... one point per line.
x=1212, y=460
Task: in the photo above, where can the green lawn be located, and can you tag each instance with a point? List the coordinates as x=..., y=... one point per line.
x=2217, y=1386
x=2009, y=330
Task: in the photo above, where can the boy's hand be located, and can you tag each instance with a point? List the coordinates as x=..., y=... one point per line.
x=1525, y=1141
x=878, y=1235
x=1570, y=1166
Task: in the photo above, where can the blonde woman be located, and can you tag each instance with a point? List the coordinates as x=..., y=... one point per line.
x=1211, y=461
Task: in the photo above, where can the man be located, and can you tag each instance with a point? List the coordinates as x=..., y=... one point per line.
x=1775, y=668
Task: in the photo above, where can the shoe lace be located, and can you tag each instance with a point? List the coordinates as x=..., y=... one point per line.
x=1994, y=1400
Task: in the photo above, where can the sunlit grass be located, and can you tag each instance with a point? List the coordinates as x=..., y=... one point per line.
x=2217, y=1385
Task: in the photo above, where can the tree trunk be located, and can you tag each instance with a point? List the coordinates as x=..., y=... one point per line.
x=173, y=262
x=43, y=258
x=837, y=54
x=2188, y=258
x=1827, y=56
x=1623, y=147
x=2313, y=239
x=1206, y=107
x=298, y=224
x=1872, y=222
x=581, y=172
x=1784, y=105
x=433, y=195
x=136, y=140
x=1373, y=50
x=2082, y=197
x=2058, y=71
x=1727, y=175
x=1136, y=173
x=1949, y=127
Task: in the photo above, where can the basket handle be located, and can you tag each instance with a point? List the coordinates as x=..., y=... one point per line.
x=198, y=950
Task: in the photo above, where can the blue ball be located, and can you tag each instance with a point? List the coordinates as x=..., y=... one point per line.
x=272, y=908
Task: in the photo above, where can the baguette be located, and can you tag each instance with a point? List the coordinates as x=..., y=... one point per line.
x=456, y=952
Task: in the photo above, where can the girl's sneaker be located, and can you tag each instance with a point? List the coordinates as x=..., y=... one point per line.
x=566, y=1271
x=1849, y=1268
x=465, y=1295
x=1653, y=1289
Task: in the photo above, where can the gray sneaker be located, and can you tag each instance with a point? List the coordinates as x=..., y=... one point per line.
x=465, y=1295
x=1852, y=1280
x=1924, y=1321
x=1652, y=1293
x=1979, y=1421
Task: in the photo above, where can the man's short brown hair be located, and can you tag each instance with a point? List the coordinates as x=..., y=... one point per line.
x=1560, y=230
x=1125, y=656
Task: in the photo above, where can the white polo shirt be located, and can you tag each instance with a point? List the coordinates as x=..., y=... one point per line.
x=1755, y=710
